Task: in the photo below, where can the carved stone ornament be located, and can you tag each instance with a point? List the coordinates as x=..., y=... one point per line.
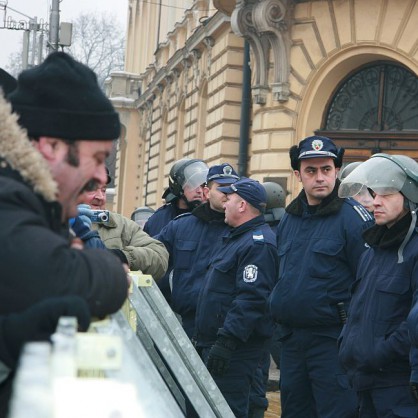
x=209, y=42
x=265, y=24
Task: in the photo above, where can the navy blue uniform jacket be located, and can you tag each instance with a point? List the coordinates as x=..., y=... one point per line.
x=238, y=283
x=191, y=240
x=374, y=344
x=318, y=255
x=161, y=217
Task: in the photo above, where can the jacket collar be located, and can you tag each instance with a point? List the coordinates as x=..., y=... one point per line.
x=207, y=214
x=330, y=205
x=257, y=221
x=383, y=237
x=18, y=154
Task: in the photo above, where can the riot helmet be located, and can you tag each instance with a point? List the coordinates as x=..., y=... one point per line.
x=187, y=173
x=276, y=201
x=140, y=215
x=363, y=196
x=384, y=174
x=348, y=169
x=387, y=174
x=276, y=196
x=184, y=173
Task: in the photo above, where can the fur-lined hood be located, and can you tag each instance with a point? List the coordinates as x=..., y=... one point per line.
x=17, y=150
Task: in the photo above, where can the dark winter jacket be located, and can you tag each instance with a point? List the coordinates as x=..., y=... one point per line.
x=318, y=254
x=35, y=257
x=374, y=344
x=238, y=283
x=161, y=217
x=191, y=240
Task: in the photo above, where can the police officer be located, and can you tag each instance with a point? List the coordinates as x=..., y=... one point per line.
x=232, y=323
x=191, y=240
x=276, y=202
x=412, y=322
x=319, y=244
x=184, y=193
x=363, y=196
x=374, y=345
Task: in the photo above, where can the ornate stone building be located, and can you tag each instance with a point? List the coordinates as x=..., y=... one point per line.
x=343, y=68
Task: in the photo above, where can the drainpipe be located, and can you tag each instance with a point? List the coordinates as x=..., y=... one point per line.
x=244, y=127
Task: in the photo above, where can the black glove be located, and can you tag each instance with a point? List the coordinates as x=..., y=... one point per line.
x=38, y=323
x=414, y=389
x=220, y=355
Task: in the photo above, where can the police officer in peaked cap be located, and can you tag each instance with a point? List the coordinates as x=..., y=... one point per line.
x=319, y=245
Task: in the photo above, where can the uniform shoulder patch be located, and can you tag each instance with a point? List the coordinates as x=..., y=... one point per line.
x=250, y=273
x=258, y=236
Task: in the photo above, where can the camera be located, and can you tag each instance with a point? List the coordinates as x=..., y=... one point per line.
x=100, y=216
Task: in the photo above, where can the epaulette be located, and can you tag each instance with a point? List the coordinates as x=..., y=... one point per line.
x=364, y=214
x=258, y=236
x=182, y=215
x=163, y=207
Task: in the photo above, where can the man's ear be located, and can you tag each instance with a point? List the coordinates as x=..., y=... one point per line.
x=297, y=174
x=242, y=205
x=48, y=147
x=337, y=170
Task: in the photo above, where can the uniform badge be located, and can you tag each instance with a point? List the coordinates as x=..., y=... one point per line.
x=317, y=145
x=227, y=170
x=250, y=273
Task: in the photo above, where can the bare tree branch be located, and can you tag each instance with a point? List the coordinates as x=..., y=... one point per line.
x=98, y=41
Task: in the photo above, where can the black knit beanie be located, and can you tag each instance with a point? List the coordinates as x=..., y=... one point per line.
x=61, y=98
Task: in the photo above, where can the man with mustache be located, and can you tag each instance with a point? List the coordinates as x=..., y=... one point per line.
x=66, y=130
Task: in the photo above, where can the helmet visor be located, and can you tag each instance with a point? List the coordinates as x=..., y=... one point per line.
x=195, y=175
x=378, y=174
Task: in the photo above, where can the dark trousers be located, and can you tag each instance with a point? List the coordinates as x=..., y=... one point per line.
x=312, y=382
x=6, y=388
x=392, y=402
x=258, y=388
x=235, y=383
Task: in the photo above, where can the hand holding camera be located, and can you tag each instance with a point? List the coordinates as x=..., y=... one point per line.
x=89, y=216
x=100, y=216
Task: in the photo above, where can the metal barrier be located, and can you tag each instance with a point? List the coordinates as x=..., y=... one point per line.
x=138, y=363
x=172, y=352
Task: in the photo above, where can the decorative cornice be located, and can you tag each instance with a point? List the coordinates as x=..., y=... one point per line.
x=182, y=58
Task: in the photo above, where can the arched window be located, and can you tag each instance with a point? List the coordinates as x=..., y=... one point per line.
x=374, y=110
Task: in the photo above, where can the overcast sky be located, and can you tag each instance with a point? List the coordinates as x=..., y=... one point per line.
x=10, y=40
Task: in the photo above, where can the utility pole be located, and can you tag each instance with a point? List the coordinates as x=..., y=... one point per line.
x=54, y=24
x=33, y=26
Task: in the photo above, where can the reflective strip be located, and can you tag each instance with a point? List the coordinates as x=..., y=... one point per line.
x=364, y=213
x=314, y=153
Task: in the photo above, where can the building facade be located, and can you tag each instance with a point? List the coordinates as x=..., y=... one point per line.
x=342, y=68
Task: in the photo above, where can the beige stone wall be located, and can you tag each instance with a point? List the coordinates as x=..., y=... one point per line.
x=329, y=41
x=191, y=95
x=196, y=115
x=143, y=37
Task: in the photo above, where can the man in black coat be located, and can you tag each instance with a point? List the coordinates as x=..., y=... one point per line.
x=69, y=126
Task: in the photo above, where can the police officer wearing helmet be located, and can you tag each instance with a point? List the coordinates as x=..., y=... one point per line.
x=319, y=244
x=232, y=322
x=374, y=344
x=185, y=192
x=191, y=239
x=363, y=196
